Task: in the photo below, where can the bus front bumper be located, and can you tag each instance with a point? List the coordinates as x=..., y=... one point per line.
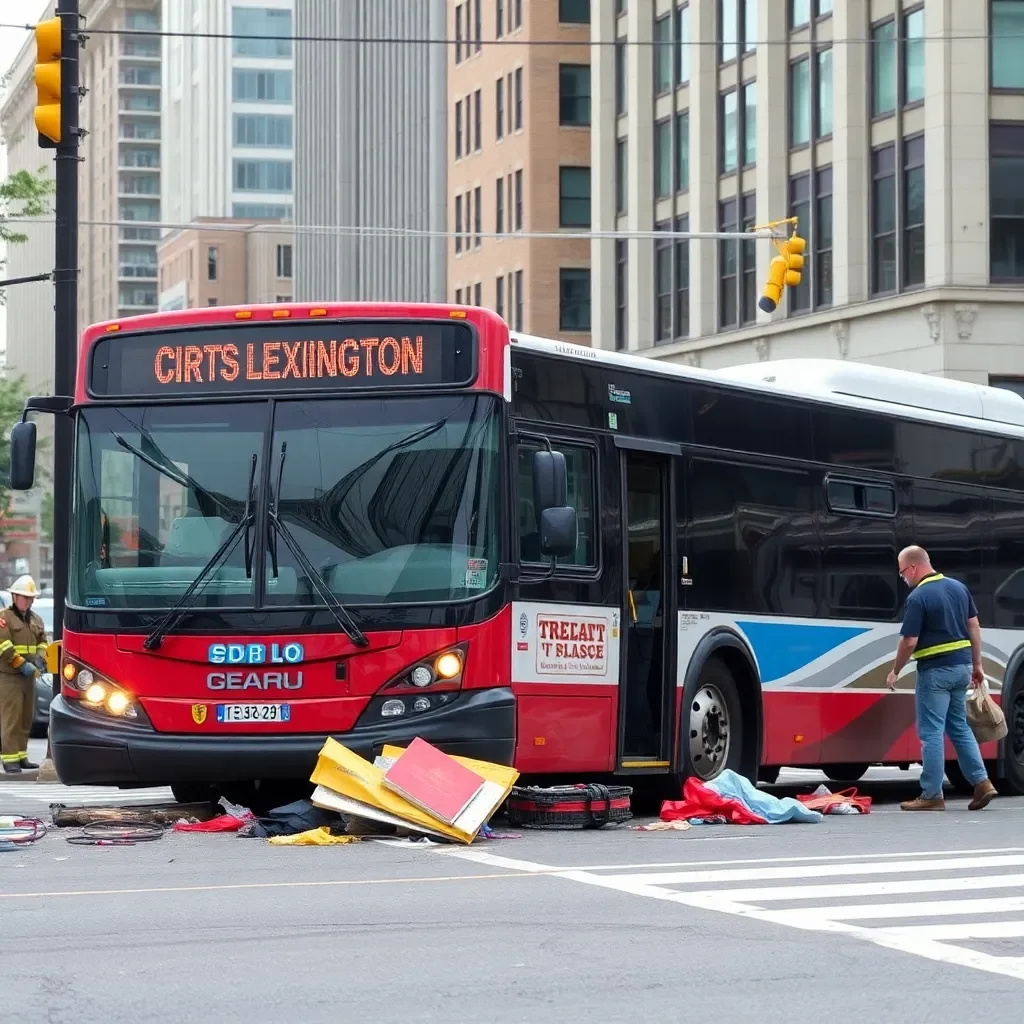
x=92, y=751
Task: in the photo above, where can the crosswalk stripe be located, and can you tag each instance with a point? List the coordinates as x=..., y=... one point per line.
x=920, y=908
x=977, y=930
x=825, y=870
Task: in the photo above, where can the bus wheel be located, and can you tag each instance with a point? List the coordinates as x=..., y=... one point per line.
x=712, y=723
x=844, y=774
x=1012, y=783
x=193, y=793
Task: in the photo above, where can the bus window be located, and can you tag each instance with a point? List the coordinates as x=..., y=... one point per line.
x=579, y=471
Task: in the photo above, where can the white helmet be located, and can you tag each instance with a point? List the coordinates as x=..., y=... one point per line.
x=25, y=586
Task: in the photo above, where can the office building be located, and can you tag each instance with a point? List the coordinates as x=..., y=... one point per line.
x=894, y=131
x=225, y=263
x=370, y=150
x=228, y=110
x=519, y=147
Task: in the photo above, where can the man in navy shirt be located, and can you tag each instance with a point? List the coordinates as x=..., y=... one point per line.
x=940, y=631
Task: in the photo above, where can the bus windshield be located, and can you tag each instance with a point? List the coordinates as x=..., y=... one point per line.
x=391, y=500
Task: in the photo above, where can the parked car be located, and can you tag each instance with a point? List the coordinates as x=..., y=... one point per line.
x=43, y=607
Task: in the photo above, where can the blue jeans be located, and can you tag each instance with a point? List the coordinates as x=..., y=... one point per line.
x=941, y=699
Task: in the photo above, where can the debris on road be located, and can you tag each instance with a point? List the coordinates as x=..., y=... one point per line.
x=419, y=788
x=117, y=833
x=663, y=826
x=155, y=814
x=846, y=801
x=322, y=836
x=731, y=798
x=569, y=807
x=17, y=831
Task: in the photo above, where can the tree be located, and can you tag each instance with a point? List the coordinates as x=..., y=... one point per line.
x=46, y=517
x=22, y=194
x=13, y=393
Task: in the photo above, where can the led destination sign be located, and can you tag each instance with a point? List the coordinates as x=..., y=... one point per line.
x=283, y=357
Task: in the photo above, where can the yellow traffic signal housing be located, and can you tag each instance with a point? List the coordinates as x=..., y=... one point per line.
x=784, y=271
x=49, y=115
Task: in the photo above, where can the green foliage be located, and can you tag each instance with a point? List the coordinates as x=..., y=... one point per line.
x=46, y=517
x=13, y=393
x=22, y=195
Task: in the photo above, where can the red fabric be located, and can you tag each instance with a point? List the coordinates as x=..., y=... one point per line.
x=222, y=823
x=844, y=796
x=700, y=801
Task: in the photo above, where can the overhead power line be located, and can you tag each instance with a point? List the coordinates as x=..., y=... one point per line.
x=470, y=44
x=364, y=231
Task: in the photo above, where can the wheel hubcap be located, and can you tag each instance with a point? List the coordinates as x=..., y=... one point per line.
x=709, y=732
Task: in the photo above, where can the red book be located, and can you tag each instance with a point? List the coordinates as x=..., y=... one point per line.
x=433, y=781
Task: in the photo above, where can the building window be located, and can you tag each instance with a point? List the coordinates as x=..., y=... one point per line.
x=737, y=23
x=211, y=263
x=268, y=131
x=663, y=158
x=273, y=26
x=517, y=14
x=573, y=299
x=1006, y=208
x=508, y=97
x=458, y=34
x=574, y=197
x=1007, y=58
x=518, y=123
x=458, y=129
x=251, y=86
x=912, y=239
x=799, y=13
x=499, y=206
x=211, y=302
x=478, y=294
x=499, y=18
x=737, y=297
x=263, y=175
x=519, y=200
x=458, y=296
x=800, y=102
x=883, y=220
x=284, y=262
x=621, y=170
x=477, y=120
x=458, y=223
x=478, y=38
x=749, y=116
x=477, y=216
x=800, y=207
x=621, y=291
x=662, y=55
x=574, y=94
x=682, y=151
x=823, y=106
x=681, y=326
x=682, y=45
x=499, y=295
x=620, y=77
x=821, y=265
x=519, y=300
x=574, y=12
x=883, y=69
x=729, y=119
x=913, y=57
x=499, y=108
x=823, y=8
x=663, y=287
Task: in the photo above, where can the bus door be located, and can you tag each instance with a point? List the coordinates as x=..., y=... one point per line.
x=647, y=673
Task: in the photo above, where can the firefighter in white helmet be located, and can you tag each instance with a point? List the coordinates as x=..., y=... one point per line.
x=22, y=657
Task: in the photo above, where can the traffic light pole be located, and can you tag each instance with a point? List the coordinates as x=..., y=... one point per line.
x=65, y=280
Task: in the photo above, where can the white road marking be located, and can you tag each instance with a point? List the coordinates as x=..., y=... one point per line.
x=93, y=796
x=930, y=941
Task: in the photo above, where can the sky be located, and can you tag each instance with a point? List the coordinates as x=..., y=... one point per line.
x=11, y=41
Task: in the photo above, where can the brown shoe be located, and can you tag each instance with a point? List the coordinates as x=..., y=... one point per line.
x=983, y=794
x=923, y=804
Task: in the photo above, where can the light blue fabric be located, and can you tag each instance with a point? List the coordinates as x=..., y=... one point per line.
x=771, y=808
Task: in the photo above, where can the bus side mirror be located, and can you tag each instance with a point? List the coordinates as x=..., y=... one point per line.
x=549, y=486
x=23, y=456
x=559, y=532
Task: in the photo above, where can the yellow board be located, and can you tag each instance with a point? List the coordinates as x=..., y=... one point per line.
x=345, y=772
x=53, y=656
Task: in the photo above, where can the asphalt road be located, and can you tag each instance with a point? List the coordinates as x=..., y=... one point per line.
x=852, y=919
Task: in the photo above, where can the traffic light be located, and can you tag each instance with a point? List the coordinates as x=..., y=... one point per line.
x=784, y=271
x=49, y=82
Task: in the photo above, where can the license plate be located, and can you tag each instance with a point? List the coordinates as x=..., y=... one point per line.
x=254, y=712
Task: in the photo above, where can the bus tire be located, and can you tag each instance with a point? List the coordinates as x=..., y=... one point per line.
x=711, y=723
x=845, y=774
x=1011, y=780
x=193, y=793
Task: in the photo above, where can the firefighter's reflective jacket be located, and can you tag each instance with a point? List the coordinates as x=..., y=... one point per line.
x=21, y=640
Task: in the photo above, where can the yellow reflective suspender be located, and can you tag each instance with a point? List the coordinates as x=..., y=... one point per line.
x=953, y=645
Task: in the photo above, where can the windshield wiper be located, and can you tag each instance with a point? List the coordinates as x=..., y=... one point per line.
x=355, y=634
x=182, y=605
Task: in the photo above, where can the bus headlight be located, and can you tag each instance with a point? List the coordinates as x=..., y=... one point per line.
x=89, y=690
x=440, y=671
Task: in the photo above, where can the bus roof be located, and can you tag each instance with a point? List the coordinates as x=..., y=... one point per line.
x=833, y=382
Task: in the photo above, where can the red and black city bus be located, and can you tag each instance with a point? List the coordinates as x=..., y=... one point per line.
x=380, y=521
